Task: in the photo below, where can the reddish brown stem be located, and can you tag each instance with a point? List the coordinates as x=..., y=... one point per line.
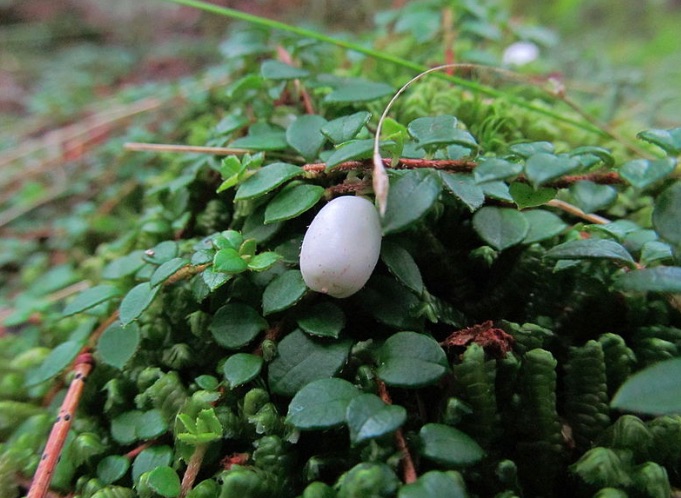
x=55, y=442
x=193, y=468
x=26, y=483
x=409, y=474
x=139, y=449
x=272, y=334
x=456, y=165
x=462, y=166
x=286, y=58
x=185, y=272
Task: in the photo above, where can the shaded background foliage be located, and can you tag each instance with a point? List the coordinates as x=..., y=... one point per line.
x=541, y=415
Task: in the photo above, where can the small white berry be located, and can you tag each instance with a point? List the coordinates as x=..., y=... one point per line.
x=341, y=247
x=520, y=53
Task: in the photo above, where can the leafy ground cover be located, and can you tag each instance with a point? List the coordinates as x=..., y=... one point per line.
x=519, y=335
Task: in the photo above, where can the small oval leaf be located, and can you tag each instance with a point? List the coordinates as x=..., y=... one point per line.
x=136, y=301
x=305, y=135
x=292, y=201
x=368, y=417
x=235, y=325
x=449, y=446
x=655, y=390
x=241, y=368
x=500, y=227
x=412, y=195
x=118, y=344
x=591, y=249
x=300, y=360
x=321, y=404
x=266, y=179
x=658, y=279
x=408, y=359
x=323, y=320
x=90, y=298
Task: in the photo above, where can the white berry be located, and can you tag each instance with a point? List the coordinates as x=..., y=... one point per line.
x=341, y=247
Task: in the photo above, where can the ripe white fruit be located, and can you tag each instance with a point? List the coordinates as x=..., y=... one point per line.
x=341, y=247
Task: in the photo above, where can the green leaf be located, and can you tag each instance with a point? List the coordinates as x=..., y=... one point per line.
x=241, y=368
x=668, y=140
x=528, y=149
x=166, y=270
x=434, y=131
x=412, y=195
x=300, y=360
x=91, y=297
x=150, y=425
x=658, y=279
x=448, y=446
x=321, y=404
x=368, y=417
x=641, y=173
x=654, y=250
x=541, y=167
x=277, y=70
x=283, y=292
x=112, y=468
x=133, y=425
x=203, y=429
x=248, y=247
x=603, y=154
x=543, y=225
x=267, y=139
x=390, y=302
x=439, y=131
x=592, y=197
x=619, y=229
x=231, y=170
x=345, y=128
x=58, y=359
x=255, y=228
x=162, y=252
x=655, y=390
x=118, y=344
x=496, y=169
x=266, y=179
x=124, y=427
x=402, y=265
x=229, y=239
x=324, y=320
x=263, y=261
x=229, y=261
x=124, y=266
x=305, y=135
x=207, y=382
x=667, y=215
x=358, y=91
x=435, y=484
x=408, y=359
x=526, y=196
x=354, y=150
x=464, y=188
x=150, y=458
x=214, y=279
x=292, y=201
x=591, y=249
x=235, y=325
x=136, y=301
x=500, y=227
x=497, y=190
x=164, y=481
